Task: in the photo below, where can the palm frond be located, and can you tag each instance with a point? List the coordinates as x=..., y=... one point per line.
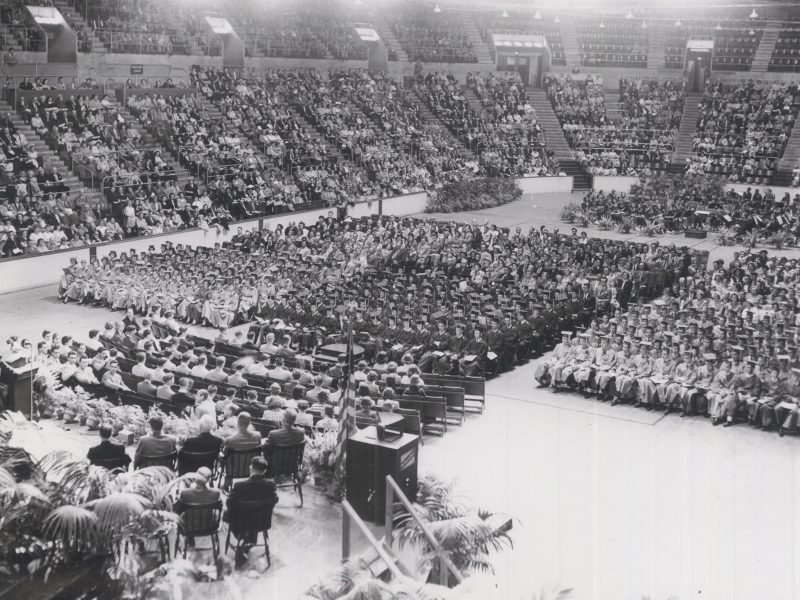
x=73, y=526
x=116, y=510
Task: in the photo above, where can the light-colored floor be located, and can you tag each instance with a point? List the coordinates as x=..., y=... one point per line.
x=544, y=209
x=616, y=502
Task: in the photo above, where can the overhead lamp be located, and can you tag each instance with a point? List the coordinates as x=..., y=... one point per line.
x=718, y=27
x=556, y=20
x=630, y=14
x=678, y=23
x=505, y=14
x=754, y=14
x=436, y=8
x=538, y=15
x=602, y=25
x=752, y=32
x=644, y=25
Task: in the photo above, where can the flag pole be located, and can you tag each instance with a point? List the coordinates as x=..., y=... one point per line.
x=347, y=411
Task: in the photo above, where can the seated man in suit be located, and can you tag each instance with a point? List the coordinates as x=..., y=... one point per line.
x=205, y=441
x=164, y=391
x=199, y=493
x=244, y=438
x=287, y=435
x=107, y=449
x=256, y=487
x=155, y=444
x=146, y=387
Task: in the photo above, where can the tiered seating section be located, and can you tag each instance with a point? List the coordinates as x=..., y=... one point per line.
x=612, y=42
x=504, y=132
x=786, y=56
x=743, y=129
x=430, y=37
x=642, y=138
x=523, y=23
x=734, y=44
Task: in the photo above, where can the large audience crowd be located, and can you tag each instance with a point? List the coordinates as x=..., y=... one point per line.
x=655, y=325
x=677, y=203
x=742, y=129
x=641, y=138
x=505, y=133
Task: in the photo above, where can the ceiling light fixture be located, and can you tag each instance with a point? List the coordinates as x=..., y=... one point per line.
x=538, y=15
x=505, y=14
x=678, y=23
x=754, y=14
x=644, y=25
x=630, y=14
x=436, y=8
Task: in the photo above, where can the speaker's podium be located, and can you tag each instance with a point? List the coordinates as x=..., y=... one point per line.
x=369, y=461
x=15, y=386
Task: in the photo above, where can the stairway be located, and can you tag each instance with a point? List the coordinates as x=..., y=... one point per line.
x=791, y=154
x=765, y=47
x=385, y=33
x=78, y=23
x=479, y=47
x=656, y=47
x=569, y=38
x=554, y=136
x=473, y=100
x=546, y=117
x=50, y=157
x=150, y=142
x=685, y=141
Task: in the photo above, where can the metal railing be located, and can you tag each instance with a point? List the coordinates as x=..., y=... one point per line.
x=350, y=516
x=145, y=42
x=446, y=565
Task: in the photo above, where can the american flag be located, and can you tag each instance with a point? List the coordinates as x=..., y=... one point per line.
x=347, y=413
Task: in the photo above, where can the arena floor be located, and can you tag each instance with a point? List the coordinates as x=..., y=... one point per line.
x=615, y=502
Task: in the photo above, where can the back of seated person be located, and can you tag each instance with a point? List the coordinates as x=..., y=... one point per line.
x=287, y=435
x=106, y=449
x=155, y=444
x=244, y=438
x=146, y=386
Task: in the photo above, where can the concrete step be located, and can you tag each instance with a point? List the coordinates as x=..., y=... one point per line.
x=688, y=127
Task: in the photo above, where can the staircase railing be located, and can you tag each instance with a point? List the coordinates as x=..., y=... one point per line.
x=350, y=516
x=446, y=565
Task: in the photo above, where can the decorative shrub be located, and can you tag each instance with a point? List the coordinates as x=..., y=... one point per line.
x=473, y=195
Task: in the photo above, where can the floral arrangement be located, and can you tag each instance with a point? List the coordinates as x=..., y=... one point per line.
x=570, y=212
x=319, y=458
x=473, y=194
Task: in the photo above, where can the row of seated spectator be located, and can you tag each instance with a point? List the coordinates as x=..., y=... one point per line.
x=398, y=115
x=144, y=27
x=742, y=129
x=735, y=43
x=506, y=136
x=786, y=55
x=427, y=37
x=19, y=30
x=642, y=138
x=523, y=23
x=697, y=203
x=311, y=29
x=261, y=108
x=612, y=43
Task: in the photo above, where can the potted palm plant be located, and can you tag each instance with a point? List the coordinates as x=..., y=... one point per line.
x=469, y=535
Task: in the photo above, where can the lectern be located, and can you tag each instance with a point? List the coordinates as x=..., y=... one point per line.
x=369, y=461
x=16, y=387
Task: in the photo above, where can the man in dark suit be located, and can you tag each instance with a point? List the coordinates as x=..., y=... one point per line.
x=155, y=444
x=287, y=435
x=107, y=449
x=205, y=441
x=255, y=488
